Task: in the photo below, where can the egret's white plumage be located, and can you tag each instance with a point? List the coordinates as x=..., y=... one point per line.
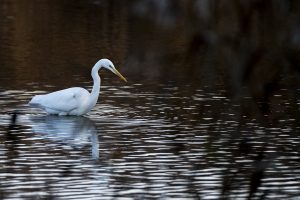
x=75, y=100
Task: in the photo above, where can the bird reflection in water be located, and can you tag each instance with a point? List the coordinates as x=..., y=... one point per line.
x=74, y=131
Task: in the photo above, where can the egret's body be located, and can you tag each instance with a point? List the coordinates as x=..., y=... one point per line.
x=75, y=100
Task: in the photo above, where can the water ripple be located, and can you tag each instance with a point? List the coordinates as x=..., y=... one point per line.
x=154, y=149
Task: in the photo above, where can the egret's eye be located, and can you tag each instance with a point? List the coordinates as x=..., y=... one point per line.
x=110, y=66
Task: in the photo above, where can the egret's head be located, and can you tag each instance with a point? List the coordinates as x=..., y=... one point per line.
x=110, y=66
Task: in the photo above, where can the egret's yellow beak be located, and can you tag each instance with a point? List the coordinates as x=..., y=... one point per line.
x=119, y=75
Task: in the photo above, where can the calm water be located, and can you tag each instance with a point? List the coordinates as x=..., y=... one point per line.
x=161, y=135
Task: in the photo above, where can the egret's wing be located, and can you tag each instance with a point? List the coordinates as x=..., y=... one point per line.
x=61, y=101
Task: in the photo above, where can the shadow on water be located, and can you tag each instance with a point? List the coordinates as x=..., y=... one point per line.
x=74, y=131
x=27, y=156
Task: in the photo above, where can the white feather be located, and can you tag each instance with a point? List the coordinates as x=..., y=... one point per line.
x=71, y=101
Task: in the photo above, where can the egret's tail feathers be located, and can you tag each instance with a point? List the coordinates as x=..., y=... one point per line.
x=35, y=101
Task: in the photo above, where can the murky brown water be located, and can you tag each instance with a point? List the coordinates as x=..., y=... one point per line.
x=164, y=134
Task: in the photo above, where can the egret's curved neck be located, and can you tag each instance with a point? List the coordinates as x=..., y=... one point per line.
x=97, y=83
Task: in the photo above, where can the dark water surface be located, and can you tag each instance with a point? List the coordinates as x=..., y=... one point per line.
x=175, y=130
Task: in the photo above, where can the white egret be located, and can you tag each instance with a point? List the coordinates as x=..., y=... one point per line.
x=74, y=101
